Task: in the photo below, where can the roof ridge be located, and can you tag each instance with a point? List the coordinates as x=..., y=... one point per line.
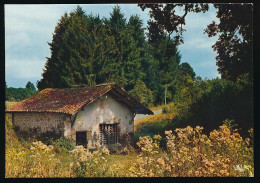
x=101, y=84
x=71, y=100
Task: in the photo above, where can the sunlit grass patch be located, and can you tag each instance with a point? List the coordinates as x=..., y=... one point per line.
x=9, y=104
x=153, y=119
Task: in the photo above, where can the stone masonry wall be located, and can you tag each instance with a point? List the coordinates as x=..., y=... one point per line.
x=43, y=121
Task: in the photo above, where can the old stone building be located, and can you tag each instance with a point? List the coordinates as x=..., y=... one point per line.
x=99, y=115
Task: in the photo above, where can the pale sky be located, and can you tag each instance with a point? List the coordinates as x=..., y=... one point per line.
x=28, y=28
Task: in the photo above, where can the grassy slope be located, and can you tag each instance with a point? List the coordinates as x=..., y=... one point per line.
x=157, y=118
x=153, y=119
x=154, y=124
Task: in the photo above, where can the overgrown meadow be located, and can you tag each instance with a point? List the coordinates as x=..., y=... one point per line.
x=184, y=152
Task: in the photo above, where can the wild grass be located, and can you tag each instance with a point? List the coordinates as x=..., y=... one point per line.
x=155, y=124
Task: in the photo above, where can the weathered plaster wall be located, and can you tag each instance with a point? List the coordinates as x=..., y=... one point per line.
x=103, y=110
x=43, y=121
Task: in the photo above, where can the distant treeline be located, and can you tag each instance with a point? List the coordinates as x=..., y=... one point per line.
x=18, y=94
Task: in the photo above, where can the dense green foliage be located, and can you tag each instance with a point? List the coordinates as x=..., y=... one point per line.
x=219, y=100
x=87, y=50
x=18, y=94
x=205, y=102
x=142, y=93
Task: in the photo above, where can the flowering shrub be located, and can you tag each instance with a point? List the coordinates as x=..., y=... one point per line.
x=37, y=161
x=89, y=164
x=188, y=152
x=62, y=145
x=145, y=165
x=192, y=153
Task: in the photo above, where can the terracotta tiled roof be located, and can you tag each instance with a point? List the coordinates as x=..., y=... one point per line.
x=71, y=100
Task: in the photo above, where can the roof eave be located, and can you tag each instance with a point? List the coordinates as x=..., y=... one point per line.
x=144, y=110
x=38, y=112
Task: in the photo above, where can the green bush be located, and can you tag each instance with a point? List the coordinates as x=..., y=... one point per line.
x=62, y=144
x=153, y=128
x=222, y=100
x=230, y=124
x=165, y=110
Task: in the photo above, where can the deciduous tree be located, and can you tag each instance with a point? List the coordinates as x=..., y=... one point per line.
x=235, y=35
x=164, y=18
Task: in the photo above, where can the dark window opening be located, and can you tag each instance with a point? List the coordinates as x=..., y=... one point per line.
x=109, y=133
x=81, y=138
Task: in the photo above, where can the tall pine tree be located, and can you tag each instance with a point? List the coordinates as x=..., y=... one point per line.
x=77, y=52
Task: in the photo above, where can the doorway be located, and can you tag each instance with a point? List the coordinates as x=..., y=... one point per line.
x=81, y=138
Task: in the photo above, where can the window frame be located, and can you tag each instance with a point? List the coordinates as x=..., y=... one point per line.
x=108, y=133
